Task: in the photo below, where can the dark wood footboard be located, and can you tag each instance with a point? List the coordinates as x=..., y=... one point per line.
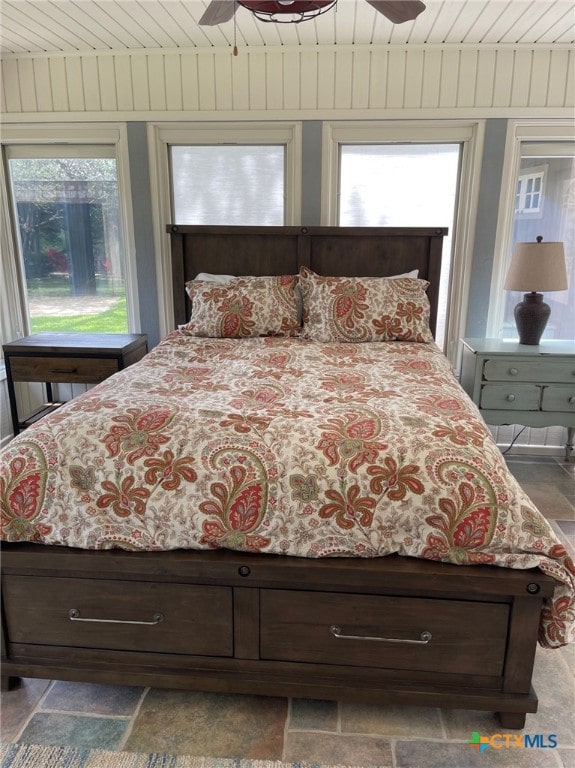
x=390, y=629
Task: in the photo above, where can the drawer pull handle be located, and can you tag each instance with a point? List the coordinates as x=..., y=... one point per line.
x=510, y=398
x=572, y=400
x=74, y=615
x=424, y=638
x=64, y=370
x=513, y=371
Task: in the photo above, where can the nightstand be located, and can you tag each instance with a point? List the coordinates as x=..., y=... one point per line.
x=71, y=358
x=515, y=383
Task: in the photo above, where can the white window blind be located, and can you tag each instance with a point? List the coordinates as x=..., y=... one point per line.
x=234, y=185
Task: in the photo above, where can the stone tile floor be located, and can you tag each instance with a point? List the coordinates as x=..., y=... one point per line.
x=229, y=725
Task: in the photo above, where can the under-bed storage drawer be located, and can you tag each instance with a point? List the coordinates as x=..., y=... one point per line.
x=431, y=635
x=137, y=616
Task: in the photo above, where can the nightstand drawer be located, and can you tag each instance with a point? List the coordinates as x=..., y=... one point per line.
x=560, y=399
x=70, y=370
x=508, y=397
x=534, y=370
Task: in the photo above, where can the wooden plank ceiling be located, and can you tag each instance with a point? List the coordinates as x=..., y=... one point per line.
x=49, y=26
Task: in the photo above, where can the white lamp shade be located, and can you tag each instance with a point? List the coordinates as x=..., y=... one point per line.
x=537, y=267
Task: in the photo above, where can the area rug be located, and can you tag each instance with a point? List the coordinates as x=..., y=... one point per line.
x=37, y=756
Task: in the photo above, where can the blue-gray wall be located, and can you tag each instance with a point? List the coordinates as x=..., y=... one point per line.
x=143, y=231
x=311, y=173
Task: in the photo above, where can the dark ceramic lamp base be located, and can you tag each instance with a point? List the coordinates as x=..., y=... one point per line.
x=531, y=316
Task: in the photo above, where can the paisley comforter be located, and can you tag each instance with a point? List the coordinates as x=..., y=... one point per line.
x=286, y=446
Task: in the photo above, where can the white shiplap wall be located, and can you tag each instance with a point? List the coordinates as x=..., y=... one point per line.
x=395, y=81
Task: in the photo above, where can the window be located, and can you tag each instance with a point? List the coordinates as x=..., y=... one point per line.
x=241, y=185
x=529, y=197
x=221, y=174
x=555, y=205
x=538, y=198
x=408, y=175
x=69, y=265
x=401, y=185
x=67, y=216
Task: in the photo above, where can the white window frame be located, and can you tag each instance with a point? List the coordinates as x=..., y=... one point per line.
x=518, y=132
x=163, y=135
x=15, y=323
x=468, y=133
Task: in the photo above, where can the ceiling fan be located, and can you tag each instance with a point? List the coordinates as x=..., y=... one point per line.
x=294, y=11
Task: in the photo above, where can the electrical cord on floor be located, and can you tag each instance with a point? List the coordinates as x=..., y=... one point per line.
x=512, y=443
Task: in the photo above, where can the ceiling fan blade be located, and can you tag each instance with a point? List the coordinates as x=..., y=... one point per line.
x=218, y=12
x=398, y=11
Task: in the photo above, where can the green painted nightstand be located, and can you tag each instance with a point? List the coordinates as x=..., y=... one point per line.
x=515, y=383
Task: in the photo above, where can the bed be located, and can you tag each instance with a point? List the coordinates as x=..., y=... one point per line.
x=352, y=531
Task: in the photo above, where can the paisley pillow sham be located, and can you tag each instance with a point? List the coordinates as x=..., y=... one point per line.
x=360, y=309
x=243, y=307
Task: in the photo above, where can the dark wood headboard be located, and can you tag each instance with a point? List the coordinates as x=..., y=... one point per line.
x=341, y=251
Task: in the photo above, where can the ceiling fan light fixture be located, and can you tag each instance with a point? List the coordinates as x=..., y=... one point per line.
x=295, y=11
x=287, y=11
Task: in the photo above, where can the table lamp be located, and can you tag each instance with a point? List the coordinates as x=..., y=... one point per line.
x=535, y=267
